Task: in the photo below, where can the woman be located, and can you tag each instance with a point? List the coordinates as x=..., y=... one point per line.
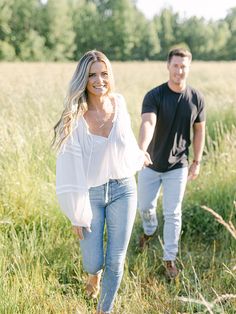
x=98, y=157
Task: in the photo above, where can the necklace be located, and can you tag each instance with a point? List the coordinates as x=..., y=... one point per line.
x=101, y=116
x=102, y=121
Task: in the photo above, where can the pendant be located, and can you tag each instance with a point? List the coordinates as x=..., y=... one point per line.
x=102, y=125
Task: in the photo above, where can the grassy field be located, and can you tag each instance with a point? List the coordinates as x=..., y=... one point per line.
x=39, y=256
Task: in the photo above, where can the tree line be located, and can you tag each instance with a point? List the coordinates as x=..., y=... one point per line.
x=58, y=30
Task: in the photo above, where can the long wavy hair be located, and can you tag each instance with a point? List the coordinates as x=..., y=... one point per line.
x=75, y=103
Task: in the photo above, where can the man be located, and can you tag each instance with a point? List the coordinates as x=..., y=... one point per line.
x=169, y=112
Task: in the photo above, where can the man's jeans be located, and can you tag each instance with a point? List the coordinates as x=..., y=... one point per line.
x=113, y=203
x=173, y=183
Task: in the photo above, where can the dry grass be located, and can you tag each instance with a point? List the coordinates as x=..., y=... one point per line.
x=40, y=262
x=209, y=305
x=228, y=225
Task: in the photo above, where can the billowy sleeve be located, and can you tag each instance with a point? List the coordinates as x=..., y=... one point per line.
x=130, y=154
x=71, y=184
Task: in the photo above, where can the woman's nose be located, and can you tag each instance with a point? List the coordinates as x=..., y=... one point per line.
x=99, y=78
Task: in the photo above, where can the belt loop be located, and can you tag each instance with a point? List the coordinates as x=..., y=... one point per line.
x=106, y=192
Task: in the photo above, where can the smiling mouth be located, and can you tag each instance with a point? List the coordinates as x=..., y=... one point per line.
x=99, y=87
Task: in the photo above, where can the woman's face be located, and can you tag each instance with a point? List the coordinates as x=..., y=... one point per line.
x=98, y=80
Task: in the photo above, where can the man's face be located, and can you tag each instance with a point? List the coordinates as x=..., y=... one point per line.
x=178, y=70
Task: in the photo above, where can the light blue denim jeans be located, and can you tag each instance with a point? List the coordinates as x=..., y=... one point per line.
x=173, y=184
x=113, y=204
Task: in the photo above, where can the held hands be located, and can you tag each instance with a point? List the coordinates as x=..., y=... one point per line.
x=78, y=231
x=194, y=170
x=147, y=159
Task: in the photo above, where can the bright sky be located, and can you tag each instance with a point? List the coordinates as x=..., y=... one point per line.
x=209, y=9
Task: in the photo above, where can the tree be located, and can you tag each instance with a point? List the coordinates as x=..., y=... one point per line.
x=60, y=35
x=86, y=26
x=7, y=51
x=20, y=30
x=165, y=25
x=33, y=47
x=218, y=40
x=146, y=41
x=116, y=31
x=231, y=43
x=197, y=35
x=5, y=17
x=65, y=29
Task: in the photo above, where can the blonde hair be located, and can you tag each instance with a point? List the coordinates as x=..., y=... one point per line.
x=75, y=103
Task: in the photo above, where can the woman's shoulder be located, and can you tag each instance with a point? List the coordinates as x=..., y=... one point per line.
x=119, y=101
x=119, y=98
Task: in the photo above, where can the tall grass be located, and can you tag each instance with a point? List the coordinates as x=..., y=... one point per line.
x=40, y=262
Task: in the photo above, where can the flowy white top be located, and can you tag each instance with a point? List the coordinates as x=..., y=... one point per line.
x=88, y=160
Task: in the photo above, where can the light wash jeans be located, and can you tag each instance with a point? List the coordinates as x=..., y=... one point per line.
x=113, y=203
x=173, y=183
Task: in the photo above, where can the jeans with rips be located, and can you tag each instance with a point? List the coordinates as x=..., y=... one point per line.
x=173, y=183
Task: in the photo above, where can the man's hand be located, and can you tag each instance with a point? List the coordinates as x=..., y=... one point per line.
x=193, y=171
x=147, y=160
x=79, y=231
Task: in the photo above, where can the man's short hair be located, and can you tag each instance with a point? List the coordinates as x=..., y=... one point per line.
x=180, y=52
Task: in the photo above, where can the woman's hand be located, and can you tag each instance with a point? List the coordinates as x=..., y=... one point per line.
x=79, y=231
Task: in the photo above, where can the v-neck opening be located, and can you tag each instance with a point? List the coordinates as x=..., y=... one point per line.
x=113, y=123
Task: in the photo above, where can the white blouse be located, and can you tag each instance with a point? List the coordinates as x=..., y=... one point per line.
x=88, y=160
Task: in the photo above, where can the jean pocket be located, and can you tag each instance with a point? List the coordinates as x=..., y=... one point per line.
x=96, y=193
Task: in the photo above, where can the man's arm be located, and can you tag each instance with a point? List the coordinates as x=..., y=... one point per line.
x=198, y=145
x=146, y=133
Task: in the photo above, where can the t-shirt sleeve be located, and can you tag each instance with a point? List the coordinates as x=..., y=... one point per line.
x=201, y=116
x=150, y=103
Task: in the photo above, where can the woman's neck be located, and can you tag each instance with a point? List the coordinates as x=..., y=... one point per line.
x=98, y=102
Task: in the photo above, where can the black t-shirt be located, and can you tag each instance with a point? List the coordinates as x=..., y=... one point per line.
x=176, y=114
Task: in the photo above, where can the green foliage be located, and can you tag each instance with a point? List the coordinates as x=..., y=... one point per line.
x=63, y=30
x=61, y=35
x=33, y=48
x=220, y=193
x=115, y=29
x=7, y=52
x=231, y=44
x=86, y=17
x=5, y=17
x=165, y=27
x=21, y=22
x=220, y=34
x=146, y=43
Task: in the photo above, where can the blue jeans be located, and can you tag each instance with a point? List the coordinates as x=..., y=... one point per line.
x=113, y=203
x=173, y=183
